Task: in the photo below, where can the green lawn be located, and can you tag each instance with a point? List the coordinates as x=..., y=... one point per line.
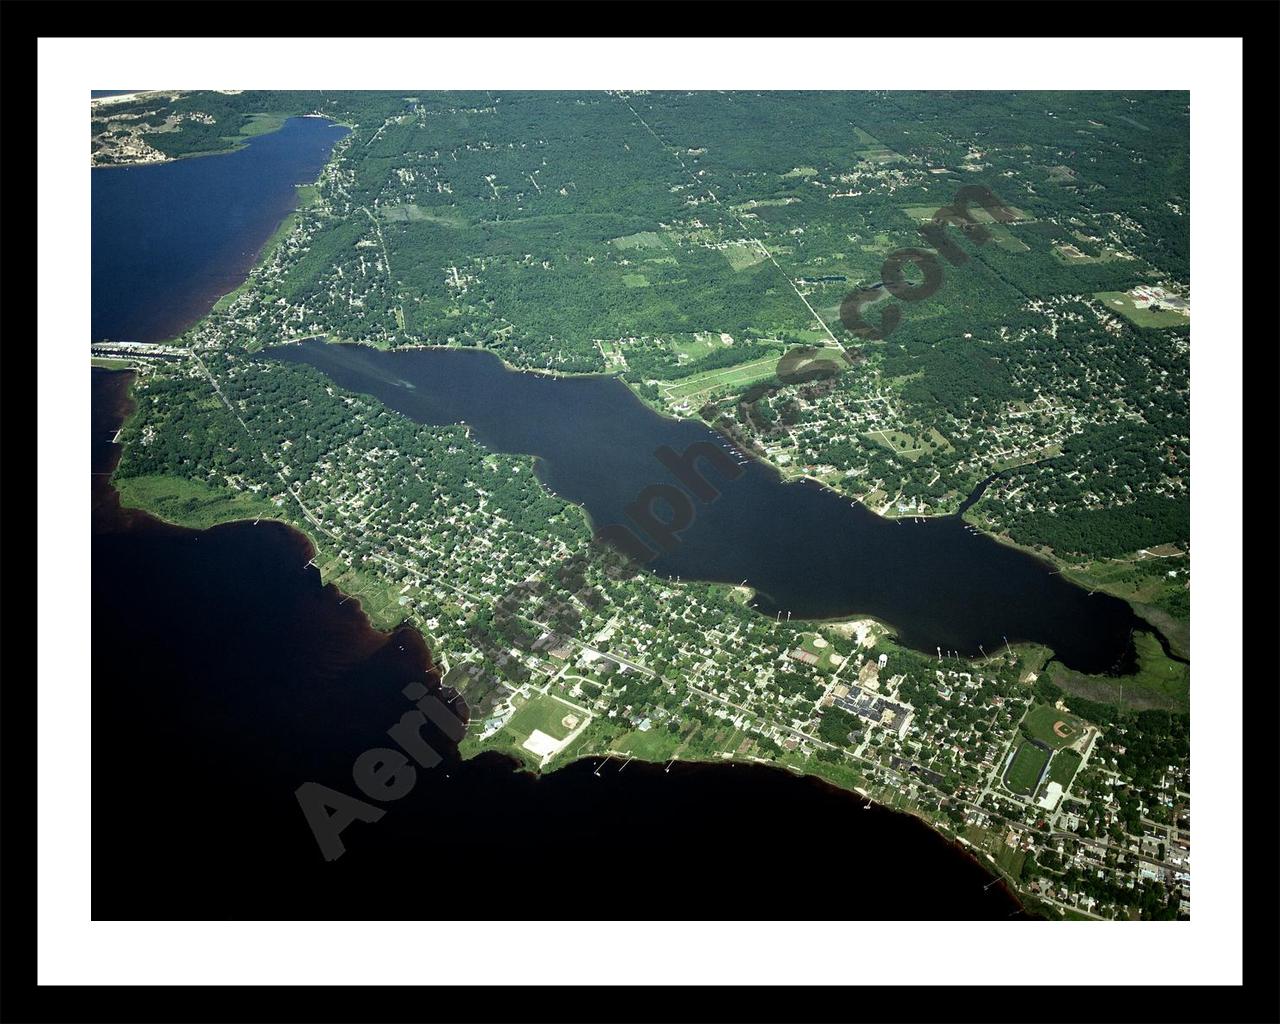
x=1063, y=767
x=926, y=213
x=1006, y=239
x=900, y=442
x=656, y=744
x=379, y=596
x=541, y=713
x=1010, y=859
x=695, y=346
x=262, y=124
x=1071, y=252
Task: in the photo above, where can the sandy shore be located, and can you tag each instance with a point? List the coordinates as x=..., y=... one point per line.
x=124, y=97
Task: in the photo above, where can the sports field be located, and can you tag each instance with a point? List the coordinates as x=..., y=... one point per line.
x=1024, y=771
x=1056, y=728
x=546, y=714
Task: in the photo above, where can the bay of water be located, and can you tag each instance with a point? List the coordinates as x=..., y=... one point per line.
x=225, y=675
x=170, y=239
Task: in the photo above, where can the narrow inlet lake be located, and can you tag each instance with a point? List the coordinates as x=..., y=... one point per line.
x=806, y=550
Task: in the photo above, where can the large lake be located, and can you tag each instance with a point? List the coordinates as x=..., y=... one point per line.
x=805, y=550
x=170, y=239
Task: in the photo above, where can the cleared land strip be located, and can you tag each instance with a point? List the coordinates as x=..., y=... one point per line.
x=703, y=383
x=738, y=220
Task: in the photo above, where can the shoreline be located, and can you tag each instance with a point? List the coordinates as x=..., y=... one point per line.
x=217, y=295
x=956, y=843
x=517, y=764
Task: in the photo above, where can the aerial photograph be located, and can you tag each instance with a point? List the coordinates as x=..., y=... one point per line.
x=637, y=505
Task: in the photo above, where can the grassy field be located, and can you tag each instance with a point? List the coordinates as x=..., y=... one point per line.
x=841, y=774
x=191, y=503
x=692, y=347
x=1063, y=767
x=1006, y=239
x=261, y=124
x=606, y=737
x=308, y=195
x=1160, y=682
x=1141, y=578
x=1039, y=723
x=1010, y=859
x=640, y=240
x=257, y=124
x=1122, y=303
x=199, y=506
x=907, y=445
x=1176, y=629
x=656, y=744
x=871, y=148
x=741, y=256
x=1028, y=763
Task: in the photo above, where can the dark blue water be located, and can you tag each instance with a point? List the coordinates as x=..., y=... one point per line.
x=225, y=674
x=170, y=239
x=806, y=550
